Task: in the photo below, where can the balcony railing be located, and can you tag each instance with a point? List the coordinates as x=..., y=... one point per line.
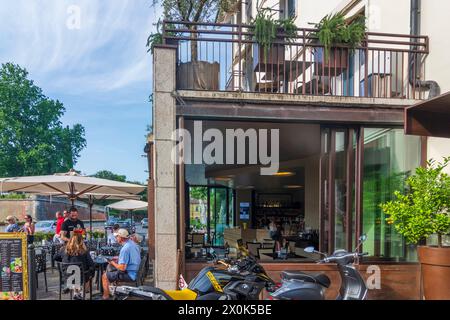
x=225, y=57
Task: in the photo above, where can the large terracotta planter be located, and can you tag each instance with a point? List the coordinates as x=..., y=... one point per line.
x=435, y=265
x=198, y=75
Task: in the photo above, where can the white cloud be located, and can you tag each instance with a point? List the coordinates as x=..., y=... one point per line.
x=107, y=53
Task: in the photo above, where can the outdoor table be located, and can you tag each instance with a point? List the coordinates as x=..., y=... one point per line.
x=109, y=251
x=101, y=263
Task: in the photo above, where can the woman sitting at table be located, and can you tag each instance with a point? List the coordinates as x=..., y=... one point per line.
x=76, y=252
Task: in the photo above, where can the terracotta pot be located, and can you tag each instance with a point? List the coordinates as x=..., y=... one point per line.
x=435, y=264
x=198, y=75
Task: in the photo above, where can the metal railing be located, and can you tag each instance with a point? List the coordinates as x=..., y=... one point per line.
x=225, y=57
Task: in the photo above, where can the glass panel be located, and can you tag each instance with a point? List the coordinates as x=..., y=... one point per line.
x=340, y=192
x=389, y=157
x=198, y=211
x=218, y=213
x=324, y=160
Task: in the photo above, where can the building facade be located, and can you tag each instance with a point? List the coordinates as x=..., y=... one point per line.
x=334, y=128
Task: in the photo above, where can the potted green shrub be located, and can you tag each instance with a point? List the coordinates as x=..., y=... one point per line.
x=424, y=210
x=333, y=30
x=270, y=35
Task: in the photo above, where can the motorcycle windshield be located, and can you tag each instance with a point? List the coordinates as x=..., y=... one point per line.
x=210, y=279
x=201, y=282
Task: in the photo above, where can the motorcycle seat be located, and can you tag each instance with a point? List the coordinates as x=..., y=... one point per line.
x=319, y=278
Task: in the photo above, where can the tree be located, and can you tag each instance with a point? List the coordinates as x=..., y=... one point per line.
x=191, y=11
x=33, y=140
x=425, y=209
x=105, y=174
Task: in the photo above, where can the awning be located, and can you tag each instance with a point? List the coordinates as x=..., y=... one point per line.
x=429, y=118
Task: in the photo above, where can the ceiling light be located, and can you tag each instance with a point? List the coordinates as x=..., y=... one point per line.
x=293, y=186
x=284, y=174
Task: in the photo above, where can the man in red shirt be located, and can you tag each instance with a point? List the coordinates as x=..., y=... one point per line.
x=59, y=222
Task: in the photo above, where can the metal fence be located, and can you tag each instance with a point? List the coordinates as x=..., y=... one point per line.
x=225, y=57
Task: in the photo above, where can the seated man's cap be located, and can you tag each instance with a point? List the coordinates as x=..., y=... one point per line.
x=123, y=233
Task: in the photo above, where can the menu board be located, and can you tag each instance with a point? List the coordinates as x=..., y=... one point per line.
x=13, y=266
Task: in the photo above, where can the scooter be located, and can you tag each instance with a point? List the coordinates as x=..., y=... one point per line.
x=303, y=286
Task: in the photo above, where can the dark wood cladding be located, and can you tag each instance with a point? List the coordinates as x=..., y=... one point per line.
x=276, y=112
x=398, y=281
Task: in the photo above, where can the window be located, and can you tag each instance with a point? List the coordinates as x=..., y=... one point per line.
x=389, y=158
x=291, y=8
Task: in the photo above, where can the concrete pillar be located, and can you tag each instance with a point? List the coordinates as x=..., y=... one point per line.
x=165, y=208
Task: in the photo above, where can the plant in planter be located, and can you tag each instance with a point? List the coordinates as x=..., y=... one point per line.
x=270, y=35
x=194, y=74
x=423, y=211
x=267, y=29
x=334, y=30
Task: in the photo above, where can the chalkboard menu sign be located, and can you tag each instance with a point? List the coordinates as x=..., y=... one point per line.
x=13, y=266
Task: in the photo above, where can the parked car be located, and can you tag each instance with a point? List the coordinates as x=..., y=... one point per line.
x=126, y=224
x=144, y=223
x=111, y=222
x=46, y=226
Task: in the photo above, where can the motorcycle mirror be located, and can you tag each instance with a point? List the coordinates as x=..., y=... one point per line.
x=309, y=249
x=363, y=238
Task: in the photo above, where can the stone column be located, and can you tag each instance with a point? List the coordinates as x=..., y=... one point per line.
x=164, y=123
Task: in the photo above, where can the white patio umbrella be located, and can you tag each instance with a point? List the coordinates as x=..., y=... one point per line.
x=129, y=205
x=71, y=185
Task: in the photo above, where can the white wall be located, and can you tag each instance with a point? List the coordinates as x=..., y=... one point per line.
x=435, y=24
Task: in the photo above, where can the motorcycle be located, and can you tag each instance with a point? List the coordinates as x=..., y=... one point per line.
x=245, y=279
x=302, y=286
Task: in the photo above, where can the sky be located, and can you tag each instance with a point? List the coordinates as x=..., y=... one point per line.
x=91, y=56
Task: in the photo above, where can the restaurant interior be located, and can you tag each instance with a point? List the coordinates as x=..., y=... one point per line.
x=230, y=203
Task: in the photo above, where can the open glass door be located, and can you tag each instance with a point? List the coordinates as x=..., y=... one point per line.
x=337, y=194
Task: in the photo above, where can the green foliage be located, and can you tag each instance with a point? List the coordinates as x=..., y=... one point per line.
x=185, y=11
x=267, y=27
x=424, y=209
x=199, y=193
x=39, y=236
x=13, y=196
x=105, y=174
x=333, y=30
x=33, y=140
x=96, y=234
x=153, y=40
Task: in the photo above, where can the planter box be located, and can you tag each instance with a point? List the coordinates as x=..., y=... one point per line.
x=336, y=63
x=198, y=75
x=265, y=62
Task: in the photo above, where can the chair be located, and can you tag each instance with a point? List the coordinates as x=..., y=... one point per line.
x=65, y=276
x=265, y=253
x=40, y=260
x=268, y=244
x=253, y=247
x=141, y=274
x=56, y=247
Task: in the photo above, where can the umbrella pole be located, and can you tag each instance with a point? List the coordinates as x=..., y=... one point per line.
x=91, y=203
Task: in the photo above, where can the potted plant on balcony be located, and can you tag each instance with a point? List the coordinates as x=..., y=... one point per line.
x=269, y=48
x=333, y=30
x=270, y=35
x=194, y=74
x=424, y=211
